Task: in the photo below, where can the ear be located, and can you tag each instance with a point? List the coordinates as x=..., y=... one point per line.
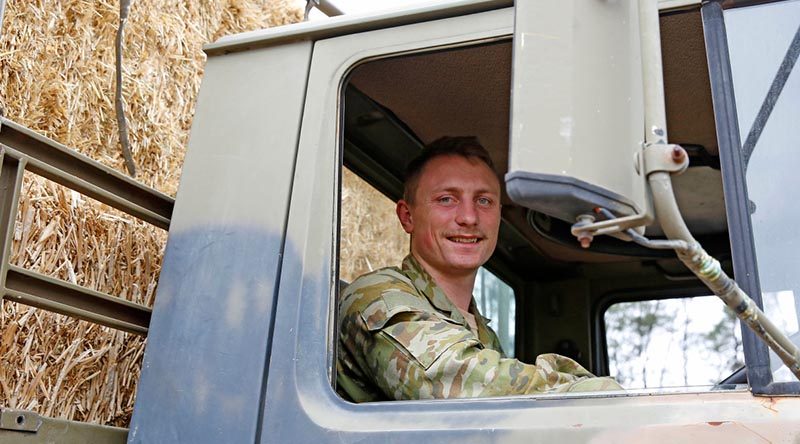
x=403, y=210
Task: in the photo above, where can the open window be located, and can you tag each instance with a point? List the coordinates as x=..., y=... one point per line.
x=393, y=107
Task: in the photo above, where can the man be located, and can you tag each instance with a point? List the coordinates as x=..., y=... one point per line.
x=415, y=332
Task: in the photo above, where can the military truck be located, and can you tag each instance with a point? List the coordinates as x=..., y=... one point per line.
x=594, y=112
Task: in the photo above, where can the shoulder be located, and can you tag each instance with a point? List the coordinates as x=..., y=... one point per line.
x=381, y=293
x=378, y=281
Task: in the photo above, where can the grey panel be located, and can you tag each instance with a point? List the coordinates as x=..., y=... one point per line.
x=204, y=364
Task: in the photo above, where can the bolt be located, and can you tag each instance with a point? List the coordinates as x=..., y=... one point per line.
x=678, y=154
x=585, y=239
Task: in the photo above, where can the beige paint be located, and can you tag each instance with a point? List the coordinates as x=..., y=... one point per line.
x=577, y=98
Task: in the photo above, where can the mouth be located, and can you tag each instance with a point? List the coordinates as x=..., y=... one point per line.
x=462, y=239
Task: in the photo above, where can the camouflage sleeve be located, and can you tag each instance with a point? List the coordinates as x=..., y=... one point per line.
x=415, y=354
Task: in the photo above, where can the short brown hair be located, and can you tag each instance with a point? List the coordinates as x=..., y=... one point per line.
x=467, y=147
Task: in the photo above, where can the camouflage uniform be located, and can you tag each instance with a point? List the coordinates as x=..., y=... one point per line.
x=402, y=338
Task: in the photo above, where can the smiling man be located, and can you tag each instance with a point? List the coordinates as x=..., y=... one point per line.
x=415, y=332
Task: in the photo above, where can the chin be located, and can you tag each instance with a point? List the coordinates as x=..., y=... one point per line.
x=467, y=264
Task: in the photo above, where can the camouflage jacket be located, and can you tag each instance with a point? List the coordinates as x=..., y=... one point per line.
x=401, y=338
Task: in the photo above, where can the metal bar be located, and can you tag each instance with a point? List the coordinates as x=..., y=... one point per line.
x=710, y=272
x=29, y=427
x=655, y=116
x=775, y=89
x=58, y=163
x=11, y=172
x=728, y=4
x=328, y=8
x=734, y=187
x=34, y=289
x=20, y=421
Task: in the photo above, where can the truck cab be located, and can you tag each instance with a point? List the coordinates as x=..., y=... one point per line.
x=242, y=336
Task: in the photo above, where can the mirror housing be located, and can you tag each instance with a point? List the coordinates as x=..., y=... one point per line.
x=578, y=110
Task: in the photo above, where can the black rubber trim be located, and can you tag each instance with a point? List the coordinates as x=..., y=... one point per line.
x=740, y=232
x=563, y=197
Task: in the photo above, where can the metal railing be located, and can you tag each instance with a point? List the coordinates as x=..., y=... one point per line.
x=22, y=149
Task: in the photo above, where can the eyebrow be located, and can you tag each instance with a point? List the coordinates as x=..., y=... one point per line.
x=461, y=190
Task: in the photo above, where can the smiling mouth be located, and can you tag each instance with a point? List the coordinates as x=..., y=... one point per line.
x=464, y=240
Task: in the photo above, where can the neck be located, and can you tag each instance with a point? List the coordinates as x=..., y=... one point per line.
x=457, y=287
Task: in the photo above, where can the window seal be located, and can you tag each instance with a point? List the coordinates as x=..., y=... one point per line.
x=740, y=228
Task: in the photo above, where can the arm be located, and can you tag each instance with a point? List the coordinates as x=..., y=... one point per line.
x=414, y=354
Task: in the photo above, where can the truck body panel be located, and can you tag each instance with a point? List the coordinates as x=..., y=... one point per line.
x=209, y=339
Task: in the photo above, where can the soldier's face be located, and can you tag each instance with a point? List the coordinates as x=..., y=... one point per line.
x=455, y=216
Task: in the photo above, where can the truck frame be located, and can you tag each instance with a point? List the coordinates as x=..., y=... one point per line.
x=242, y=336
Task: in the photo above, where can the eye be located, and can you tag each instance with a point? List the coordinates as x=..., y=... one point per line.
x=446, y=200
x=484, y=201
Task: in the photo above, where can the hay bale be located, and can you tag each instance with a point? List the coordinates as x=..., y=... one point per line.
x=56, y=77
x=57, y=72
x=371, y=236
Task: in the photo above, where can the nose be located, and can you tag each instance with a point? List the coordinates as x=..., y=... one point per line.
x=467, y=214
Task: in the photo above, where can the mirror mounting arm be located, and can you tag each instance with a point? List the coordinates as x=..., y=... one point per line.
x=659, y=161
x=709, y=271
x=654, y=157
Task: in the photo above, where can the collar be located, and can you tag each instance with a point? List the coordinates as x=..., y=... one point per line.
x=424, y=283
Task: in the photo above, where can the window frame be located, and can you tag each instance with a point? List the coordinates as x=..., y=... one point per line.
x=740, y=228
x=601, y=361
x=303, y=396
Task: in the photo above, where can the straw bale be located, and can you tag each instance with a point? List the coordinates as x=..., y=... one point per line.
x=371, y=236
x=57, y=72
x=63, y=234
x=56, y=77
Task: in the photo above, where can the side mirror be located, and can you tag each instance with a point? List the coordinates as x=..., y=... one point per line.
x=578, y=111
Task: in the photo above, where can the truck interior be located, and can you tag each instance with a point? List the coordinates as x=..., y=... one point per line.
x=393, y=106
